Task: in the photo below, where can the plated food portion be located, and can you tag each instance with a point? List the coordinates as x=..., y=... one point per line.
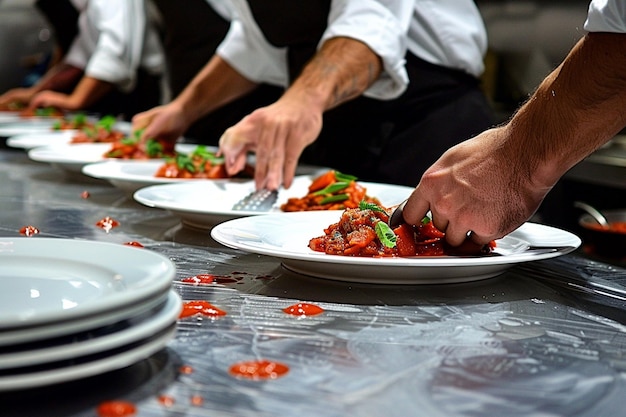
x=202, y=204
x=287, y=236
x=364, y=231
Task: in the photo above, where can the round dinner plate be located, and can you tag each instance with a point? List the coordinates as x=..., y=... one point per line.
x=74, y=156
x=286, y=236
x=48, y=280
x=94, y=340
x=204, y=204
x=86, y=366
x=32, y=125
x=34, y=140
x=130, y=176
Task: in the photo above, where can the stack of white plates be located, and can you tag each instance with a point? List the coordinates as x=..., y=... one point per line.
x=74, y=308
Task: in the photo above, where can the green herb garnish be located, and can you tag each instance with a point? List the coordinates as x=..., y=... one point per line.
x=334, y=198
x=364, y=205
x=153, y=148
x=107, y=122
x=385, y=234
x=344, y=177
x=332, y=188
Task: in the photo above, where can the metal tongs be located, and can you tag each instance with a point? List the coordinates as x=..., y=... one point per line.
x=260, y=200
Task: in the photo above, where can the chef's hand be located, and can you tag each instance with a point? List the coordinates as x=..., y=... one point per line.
x=20, y=96
x=165, y=122
x=476, y=190
x=50, y=98
x=277, y=134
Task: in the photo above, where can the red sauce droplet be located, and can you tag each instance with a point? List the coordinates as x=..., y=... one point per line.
x=166, y=400
x=107, y=223
x=135, y=244
x=85, y=194
x=303, y=309
x=197, y=400
x=261, y=369
x=186, y=369
x=29, y=231
x=206, y=279
x=116, y=409
x=200, y=307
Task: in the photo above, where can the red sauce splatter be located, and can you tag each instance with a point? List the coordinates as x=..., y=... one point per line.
x=166, y=400
x=197, y=400
x=116, y=409
x=200, y=307
x=257, y=370
x=85, y=194
x=186, y=369
x=211, y=279
x=303, y=309
x=107, y=223
x=135, y=244
x=29, y=231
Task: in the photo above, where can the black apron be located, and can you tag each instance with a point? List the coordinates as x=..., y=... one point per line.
x=392, y=141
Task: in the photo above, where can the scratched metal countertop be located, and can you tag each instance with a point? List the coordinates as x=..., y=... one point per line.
x=543, y=339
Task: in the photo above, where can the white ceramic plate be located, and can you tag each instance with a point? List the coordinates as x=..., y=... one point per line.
x=130, y=176
x=32, y=125
x=46, y=280
x=73, y=157
x=94, y=340
x=21, y=335
x=86, y=366
x=204, y=204
x=34, y=140
x=9, y=116
x=286, y=236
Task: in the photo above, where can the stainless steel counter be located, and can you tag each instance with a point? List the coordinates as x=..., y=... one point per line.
x=544, y=339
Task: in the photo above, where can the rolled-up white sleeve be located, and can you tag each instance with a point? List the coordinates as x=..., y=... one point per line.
x=111, y=42
x=247, y=51
x=606, y=16
x=382, y=26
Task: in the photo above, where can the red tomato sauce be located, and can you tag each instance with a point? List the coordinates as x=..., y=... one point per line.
x=303, y=309
x=619, y=227
x=116, y=409
x=355, y=235
x=29, y=231
x=200, y=307
x=107, y=223
x=258, y=370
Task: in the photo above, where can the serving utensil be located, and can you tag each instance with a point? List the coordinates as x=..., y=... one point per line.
x=396, y=218
x=259, y=200
x=593, y=212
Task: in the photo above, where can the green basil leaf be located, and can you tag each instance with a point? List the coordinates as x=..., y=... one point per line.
x=425, y=220
x=385, y=234
x=153, y=148
x=364, y=205
x=335, y=198
x=107, y=122
x=56, y=125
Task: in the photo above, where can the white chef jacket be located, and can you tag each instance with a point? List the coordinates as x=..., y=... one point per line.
x=450, y=33
x=606, y=16
x=115, y=38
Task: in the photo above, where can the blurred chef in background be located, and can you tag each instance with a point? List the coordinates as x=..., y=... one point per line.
x=377, y=89
x=191, y=35
x=113, y=66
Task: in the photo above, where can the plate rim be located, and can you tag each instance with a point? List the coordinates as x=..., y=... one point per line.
x=157, y=280
x=300, y=257
x=167, y=314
